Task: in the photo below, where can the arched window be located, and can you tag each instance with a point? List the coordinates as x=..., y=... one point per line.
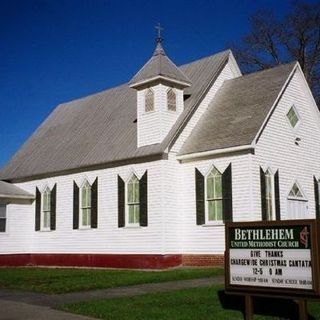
x=149, y=101
x=171, y=100
x=295, y=192
x=297, y=203
x=270, y=196
x=133, y=201
x=46, y=209
x=214, y=195
x=85, y=217
x=3, y=217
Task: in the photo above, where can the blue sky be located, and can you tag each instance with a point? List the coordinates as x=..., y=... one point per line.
x=52, y=51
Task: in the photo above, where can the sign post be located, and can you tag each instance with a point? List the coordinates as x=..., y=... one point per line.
x=273, y=258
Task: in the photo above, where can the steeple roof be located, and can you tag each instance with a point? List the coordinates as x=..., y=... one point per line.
x=159, y=66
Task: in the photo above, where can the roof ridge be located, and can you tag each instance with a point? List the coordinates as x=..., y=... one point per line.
x=251, y=74
x=206, y=57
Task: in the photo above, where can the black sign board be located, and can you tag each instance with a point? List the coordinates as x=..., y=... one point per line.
x=273, y=257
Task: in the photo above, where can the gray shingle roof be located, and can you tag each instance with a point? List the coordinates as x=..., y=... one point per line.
x=238, y=111
x=9, y=191
x=159, y=65
x=100, y=129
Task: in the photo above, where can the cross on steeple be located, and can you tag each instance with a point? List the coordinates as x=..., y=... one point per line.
x=159, y=28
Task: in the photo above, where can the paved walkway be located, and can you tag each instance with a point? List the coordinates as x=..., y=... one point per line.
x=11, y=310
x=18, y=305
x=52, y=300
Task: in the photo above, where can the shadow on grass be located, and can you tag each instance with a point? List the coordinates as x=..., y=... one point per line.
x=272, y=307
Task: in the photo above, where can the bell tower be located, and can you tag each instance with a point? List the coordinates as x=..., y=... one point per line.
x=159, y=85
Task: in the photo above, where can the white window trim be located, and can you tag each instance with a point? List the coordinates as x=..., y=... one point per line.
x=7, y=220
x=304, y=198
x=207, y=221
x=273, y=203
x=298, y=115
x=42, y=228
x=81, y=226
x=127, y=224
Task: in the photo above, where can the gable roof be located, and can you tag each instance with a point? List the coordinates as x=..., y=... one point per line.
x=159, y=65
x=101, y=129
x=238, y=111
x=9, y=191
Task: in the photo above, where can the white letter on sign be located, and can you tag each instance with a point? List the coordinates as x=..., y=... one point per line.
x=237, y=234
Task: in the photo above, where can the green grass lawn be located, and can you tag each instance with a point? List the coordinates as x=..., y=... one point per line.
x=48, y=280
x=190, y=304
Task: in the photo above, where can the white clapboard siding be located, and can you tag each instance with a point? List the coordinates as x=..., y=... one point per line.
x=210, y=239
x=153, y=126
x=15, y=240
x=107, y=238
x=276, y=148
x=172, y=205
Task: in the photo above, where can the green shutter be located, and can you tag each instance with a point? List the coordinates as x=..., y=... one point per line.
x=94, y=204
x=75, y=206
x=53, y=200
x=38, y=210
x=316, y=196
x=277, y=195
x=263, y=195
x=227, y=194
x=121, y=202
x=200, y=210
x=143, y=192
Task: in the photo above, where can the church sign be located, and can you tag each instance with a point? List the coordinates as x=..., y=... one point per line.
x=278, y=257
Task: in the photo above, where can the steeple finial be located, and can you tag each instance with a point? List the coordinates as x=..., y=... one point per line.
x=159, y=29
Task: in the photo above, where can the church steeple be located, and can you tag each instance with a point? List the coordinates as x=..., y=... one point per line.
x=159, y=84
x=159, y=67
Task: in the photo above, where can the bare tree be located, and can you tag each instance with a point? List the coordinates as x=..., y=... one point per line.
x=295, y=37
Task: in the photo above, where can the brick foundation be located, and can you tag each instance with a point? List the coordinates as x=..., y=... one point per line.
x=130, y=261
x=127, y=261
x=203, y=260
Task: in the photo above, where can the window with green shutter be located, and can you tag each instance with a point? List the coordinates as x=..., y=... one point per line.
x=3, y=217
x=214, y=196
x=85, y=216
x=46, y=210
x=270, y=198
x=133, y=201
x=270, y=195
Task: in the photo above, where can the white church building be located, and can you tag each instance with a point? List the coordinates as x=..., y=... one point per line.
x=144, y=175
